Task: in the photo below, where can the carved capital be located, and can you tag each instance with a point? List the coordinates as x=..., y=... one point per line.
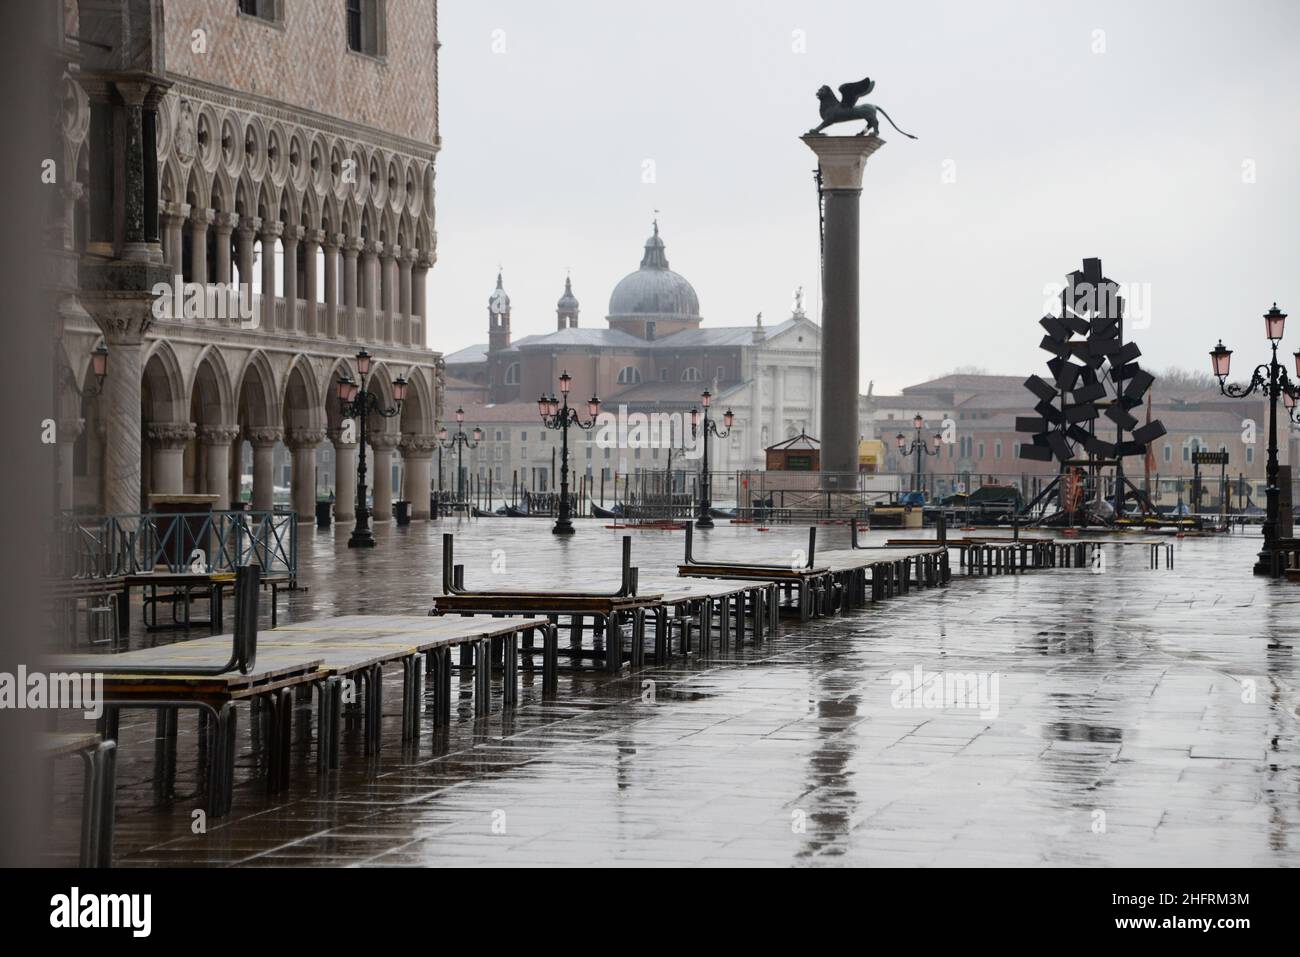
x=124, y=317
x=270, y=230
x=336, y=437
x=316, y=236
x=226, y=222
x=218, y=434
x=384, y=441
x=304, y=438
x=373, y=248
x=70, y=430
x=170, y=435
x=842, y=159
x=416, y=445
x=249, y=227
x=290, y=233
x=201, y=217
x=264, y=437
x=351, y=245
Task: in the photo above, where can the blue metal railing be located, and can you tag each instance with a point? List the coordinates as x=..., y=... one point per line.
x=114, y=545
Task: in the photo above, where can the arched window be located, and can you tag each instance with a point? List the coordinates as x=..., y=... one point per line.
x=691, y=374
x=512, y=374
x=629, y=375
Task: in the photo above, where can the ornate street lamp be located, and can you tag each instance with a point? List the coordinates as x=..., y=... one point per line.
x=919, y=447
x=556, y=414
x=1271, y=379
x=356, y=402
x=710, y=427
x=460, y=442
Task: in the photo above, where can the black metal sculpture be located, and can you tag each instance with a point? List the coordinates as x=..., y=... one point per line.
x=1094, y=373
x=847, y=108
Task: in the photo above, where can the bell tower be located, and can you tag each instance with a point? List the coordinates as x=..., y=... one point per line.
x=498, y=318
x=566, y=310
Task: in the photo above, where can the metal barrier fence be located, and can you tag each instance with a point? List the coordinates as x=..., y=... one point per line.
x=115, y=545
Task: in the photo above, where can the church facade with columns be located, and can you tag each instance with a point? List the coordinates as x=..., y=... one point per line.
x=283, y=153
x=654, y=354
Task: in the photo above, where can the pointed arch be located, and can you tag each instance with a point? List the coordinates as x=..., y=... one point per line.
x=419, y=410
x=258, y=393
x=299, y=399
x=212, y=395
x=164, y=396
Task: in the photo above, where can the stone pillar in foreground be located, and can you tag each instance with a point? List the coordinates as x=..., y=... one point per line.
x=381, y=475
x=263, y=440
x=345, y=477
x=216, y=440
x=417, y=459
x=841, y=160
x=303, y=444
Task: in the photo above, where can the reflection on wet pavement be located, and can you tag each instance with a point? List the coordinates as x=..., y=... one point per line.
x=1139, y=719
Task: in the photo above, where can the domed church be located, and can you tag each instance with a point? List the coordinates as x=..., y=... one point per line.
x=654, y=355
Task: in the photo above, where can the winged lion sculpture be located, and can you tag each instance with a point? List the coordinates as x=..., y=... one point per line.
x=846, y=107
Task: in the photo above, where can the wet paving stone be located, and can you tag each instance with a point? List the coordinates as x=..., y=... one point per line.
x=1140, y=718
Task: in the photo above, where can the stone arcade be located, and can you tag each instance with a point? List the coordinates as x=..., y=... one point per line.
x=210, y=162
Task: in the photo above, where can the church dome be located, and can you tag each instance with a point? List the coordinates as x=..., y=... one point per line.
x=654, y=290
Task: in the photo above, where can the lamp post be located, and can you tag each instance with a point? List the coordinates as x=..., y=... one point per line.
x=918, y=447
x=460, y=442
x=709, y=426
x=1270, y=378
x=357, y=403
x=556, y=414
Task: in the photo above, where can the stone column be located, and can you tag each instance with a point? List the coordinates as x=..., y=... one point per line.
x=418, y=301
x=303, y=443
x=417, y=459
x=245, y=236
x=841, y=161
x=388, y=291
x=381, y=474
x=778, y=406
x=167, y=465
x=236, y=471
x=263, y=440
x=289, y=240
x=311, y=240
x=173, y=218
x=216, y=440
x=224, y=224
x=351, y=247
x=269, y=233
x=345, y=477
x=332, y=285
x=368, y=322
x=404, y=264
x=69, y=431
x=199, y=220
x=133, y=170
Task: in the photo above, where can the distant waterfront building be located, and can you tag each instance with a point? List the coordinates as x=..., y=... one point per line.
x=654, y=355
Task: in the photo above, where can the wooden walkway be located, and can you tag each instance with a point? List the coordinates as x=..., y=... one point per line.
x=340, y=659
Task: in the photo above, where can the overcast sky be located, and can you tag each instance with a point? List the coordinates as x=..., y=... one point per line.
x=1135, y=144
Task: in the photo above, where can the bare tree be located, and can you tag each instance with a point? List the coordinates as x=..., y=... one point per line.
x=1175, y=379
